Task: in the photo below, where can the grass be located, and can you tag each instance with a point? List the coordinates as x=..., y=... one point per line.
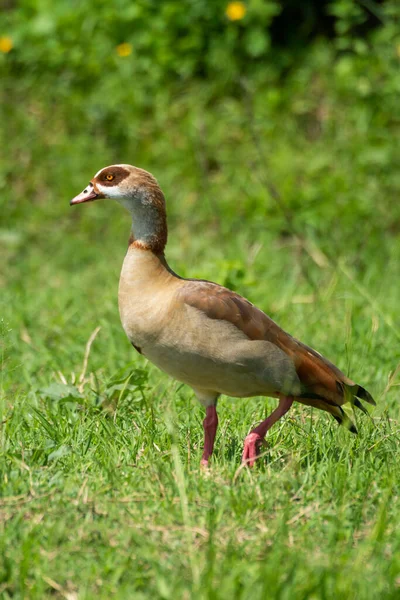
x=100, y=490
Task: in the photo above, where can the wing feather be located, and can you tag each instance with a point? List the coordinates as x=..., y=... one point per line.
x=326, y=385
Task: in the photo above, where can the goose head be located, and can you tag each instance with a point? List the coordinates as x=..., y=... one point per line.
x=138, y=191
x=119, y=182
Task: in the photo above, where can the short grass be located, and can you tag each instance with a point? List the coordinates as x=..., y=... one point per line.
x=101, y=492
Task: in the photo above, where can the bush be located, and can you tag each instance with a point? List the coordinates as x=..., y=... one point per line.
x=149, y=44
x=108, y=82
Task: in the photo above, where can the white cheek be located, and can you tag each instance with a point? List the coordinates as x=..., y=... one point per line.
x=111, y=191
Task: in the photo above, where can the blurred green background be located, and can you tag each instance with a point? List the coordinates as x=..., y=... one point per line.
x=222, y=102
x=273, y=129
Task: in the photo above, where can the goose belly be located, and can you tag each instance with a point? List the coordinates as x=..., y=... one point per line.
x=217, y=356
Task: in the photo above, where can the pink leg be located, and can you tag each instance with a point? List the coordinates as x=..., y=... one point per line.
x=210, y=425
x=255, y=438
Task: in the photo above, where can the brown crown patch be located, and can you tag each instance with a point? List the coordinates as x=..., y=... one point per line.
x=111, y=176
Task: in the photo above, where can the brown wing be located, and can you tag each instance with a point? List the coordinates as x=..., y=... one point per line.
x=324, y=385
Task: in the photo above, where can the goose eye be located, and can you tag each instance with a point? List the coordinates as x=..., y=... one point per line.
x=109, y=177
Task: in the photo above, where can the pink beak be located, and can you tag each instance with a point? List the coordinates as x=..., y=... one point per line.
x=88, y=195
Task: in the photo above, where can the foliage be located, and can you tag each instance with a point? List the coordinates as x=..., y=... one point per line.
x=152, y=41
x=87, y=46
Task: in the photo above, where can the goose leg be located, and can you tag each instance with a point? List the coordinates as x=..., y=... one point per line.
x=254, y=440
x=210, y=425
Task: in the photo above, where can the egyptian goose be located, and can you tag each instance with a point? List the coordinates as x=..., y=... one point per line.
x=205, y=335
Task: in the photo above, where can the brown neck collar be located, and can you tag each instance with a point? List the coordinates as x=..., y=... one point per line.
x=156, y=244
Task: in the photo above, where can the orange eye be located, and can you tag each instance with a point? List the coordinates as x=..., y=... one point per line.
x=109, y=177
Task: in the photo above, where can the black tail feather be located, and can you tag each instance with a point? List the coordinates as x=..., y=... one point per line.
x=344, y=420
x=351, y=426
x=360, y=406
x=364, y=395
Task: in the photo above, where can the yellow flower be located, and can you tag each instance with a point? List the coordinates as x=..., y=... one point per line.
x=124, y=49
x=235, y=11
x=5, y=44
